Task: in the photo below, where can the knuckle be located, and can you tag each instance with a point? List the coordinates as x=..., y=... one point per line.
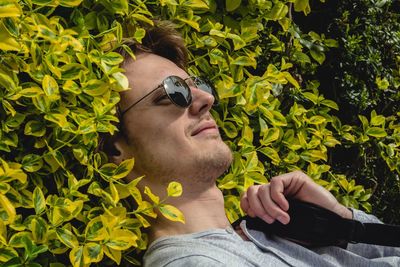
x=275, y=180
x=263, y=189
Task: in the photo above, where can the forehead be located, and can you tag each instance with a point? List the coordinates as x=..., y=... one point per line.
x=145, y=73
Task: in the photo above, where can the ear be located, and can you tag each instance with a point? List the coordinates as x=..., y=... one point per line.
x=119, y=150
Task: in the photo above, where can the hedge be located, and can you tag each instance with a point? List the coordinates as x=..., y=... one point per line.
x=62, y=203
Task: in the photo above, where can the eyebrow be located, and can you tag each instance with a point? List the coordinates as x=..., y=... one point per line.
x=157, y=93
x=140, y=99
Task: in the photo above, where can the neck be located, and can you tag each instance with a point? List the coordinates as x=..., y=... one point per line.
x=203, y=210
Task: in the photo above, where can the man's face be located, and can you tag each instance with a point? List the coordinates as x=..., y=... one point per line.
x=170, y=142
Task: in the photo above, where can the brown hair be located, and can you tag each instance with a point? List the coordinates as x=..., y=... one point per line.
x=161, y=39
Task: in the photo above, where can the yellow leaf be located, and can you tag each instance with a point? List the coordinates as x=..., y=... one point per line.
x=7, y=42
x=76, y=257
x=121, y=239
x=67, y=237
x=12, y=171
x=9, y=8
x=92, y=252
x=70, y=3
x=3, y=233
x=39, y=229
x=142, y=220
x=50, y=87
x=123, y=190
x=95, y=230
x=9, y=209
x=172, y=213
x=39, y=202
x=147, y=208
x=174, y=189
x=114, y=193
x=109, y=221
x=113, y=254
x=153, y=197
x=7, y=254
x=124, y=168
x=55, y=246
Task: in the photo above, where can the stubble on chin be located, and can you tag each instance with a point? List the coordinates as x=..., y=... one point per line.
x=212, y=164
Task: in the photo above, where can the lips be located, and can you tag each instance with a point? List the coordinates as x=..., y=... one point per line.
x=204, y=126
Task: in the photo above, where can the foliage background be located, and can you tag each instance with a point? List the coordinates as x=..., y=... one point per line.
x=295, y=94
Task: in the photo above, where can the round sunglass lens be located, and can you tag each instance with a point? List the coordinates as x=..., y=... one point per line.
x=206, y=86
x=178, y=91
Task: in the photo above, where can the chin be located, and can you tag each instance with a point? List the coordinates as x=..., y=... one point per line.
x=214, y=163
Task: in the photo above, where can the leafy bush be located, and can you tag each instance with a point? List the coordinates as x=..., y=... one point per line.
x=62, y=203
x=362, y=76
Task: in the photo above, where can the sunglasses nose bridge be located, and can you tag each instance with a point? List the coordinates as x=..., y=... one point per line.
x=201, y=96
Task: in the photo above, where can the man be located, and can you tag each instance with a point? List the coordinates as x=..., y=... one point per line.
x=167, y=127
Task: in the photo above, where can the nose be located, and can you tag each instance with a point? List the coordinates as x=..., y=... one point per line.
x=201, y=101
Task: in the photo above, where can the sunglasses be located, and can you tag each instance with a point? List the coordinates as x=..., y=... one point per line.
x=178, y=90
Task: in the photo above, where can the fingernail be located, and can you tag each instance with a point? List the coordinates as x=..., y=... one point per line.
x=267, y=219
x=283, y=219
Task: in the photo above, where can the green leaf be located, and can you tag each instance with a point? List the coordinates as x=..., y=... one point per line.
x=70, y=3
x=7, y=253
x=35, y=128
x=272, y=154
x=313, y=155
x=92, y=252
x=271, y=135
x=302, y=5
x=244, y=61
x=378, y=120
x=123, y=169
x=318, y=56
x=95, y=87
x=32, y=162
x=317, y=119
x=67, y=237
x=301, y=57
x=39, y=202
x=39, y=229
x=278, y=12
x=230, y=129
x=329, y=103
x=71, y=71
x=76, y=256
x=376, y=132
x=9, y=208
x=50, y=87
x=19, y=239
x=7, y=42
x=231, y=5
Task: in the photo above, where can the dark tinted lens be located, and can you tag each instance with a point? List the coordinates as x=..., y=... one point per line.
x=178, y=91
x=206, y=86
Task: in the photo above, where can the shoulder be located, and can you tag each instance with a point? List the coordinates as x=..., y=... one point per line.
x=180, y=254
x=184, y=260
x=204, y=249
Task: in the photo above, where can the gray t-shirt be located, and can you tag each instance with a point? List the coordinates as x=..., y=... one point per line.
x=224, y=247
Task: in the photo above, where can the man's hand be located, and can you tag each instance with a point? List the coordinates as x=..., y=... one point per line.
x=269, y=203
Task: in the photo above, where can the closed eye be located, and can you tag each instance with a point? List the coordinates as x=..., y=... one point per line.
x=162, y=100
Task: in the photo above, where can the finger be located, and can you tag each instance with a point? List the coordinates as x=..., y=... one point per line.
x=244, y=203
x=277, y=190
x=251, y=213
x=257, y=206
x=271, y=207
